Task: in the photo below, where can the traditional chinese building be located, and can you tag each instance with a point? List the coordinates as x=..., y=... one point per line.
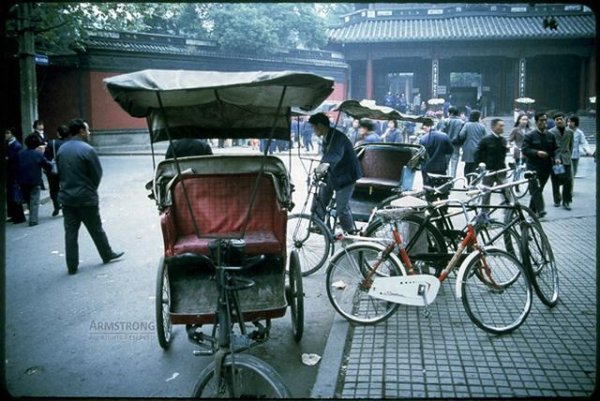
x=482, y=54
x=73, y=85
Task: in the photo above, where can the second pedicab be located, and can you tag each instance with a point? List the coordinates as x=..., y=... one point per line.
x=388, y=169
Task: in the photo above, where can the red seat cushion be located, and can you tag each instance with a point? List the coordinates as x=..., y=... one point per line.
x=220, y=204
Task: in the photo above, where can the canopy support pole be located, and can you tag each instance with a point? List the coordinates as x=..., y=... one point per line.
x=185, y=194
x=262, y=166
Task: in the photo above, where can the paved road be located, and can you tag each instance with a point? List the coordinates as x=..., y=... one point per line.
x=57, y=343
x=57, y=339
x=553, y=354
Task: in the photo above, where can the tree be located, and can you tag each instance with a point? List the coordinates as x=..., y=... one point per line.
x=266, y=28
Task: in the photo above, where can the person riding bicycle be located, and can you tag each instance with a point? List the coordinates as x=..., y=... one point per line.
x=343, y=170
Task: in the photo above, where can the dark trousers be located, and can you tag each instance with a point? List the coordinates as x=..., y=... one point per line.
x=565, y=181
x=470, y=167
x=342, y=205
x=90, y=217
x=53, y=184
x=536, y=187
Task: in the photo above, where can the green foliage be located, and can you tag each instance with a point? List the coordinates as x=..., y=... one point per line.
x=266, y=28
x=261, y=28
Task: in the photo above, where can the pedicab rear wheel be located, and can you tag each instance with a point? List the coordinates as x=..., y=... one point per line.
x=164, y=329
x=294, y=294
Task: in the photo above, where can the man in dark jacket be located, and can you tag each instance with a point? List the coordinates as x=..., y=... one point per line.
x=492, y=151
x=539, y=147
x=438, y=147
x=187, y=147
x=14, y=197
x=80, y=175
x=342, y=173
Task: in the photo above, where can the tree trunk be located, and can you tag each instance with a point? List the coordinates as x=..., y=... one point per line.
x=27, y=71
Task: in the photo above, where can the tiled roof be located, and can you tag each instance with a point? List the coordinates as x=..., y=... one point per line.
x=463, y=28
x=320, y=58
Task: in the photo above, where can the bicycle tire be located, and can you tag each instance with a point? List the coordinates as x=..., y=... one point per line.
x=540, y=260
x=345, y=276
x=255, y=378
x=313, y=248
x=496, y=309
x=164, y=328
x=523, y=190
x=415, y=245
x=295, y=296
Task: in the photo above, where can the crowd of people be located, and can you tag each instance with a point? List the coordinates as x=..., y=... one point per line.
x=542, y=146
x=73, y=173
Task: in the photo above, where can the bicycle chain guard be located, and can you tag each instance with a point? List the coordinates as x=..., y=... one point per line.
x=415, y=290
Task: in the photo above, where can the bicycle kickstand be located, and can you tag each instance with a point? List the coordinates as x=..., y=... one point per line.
x=422, y=291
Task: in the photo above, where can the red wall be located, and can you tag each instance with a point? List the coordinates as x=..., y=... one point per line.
x=59, y=98
x=71, y=94
x=106, y=113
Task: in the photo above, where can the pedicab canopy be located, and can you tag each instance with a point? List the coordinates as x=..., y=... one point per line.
x=211, y=104
x=368, y=109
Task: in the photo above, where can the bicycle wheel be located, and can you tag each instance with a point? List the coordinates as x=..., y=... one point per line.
x=519, y=191
x=309, y=237
x=497, y=300
x=419, y=243
x=541, y=262
x=243, y=376
x=294, y=295
x=346, y=287
x=164, y=329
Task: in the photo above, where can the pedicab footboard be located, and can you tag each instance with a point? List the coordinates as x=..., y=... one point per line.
x=194, y=293
x=219, y=205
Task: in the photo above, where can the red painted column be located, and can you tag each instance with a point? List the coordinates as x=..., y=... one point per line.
x=369, y=76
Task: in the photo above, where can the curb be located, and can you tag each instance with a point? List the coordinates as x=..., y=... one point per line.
x=331, y=363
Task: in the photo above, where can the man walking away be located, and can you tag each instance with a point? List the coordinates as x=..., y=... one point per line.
x=469, y=137
x=80, y=175
x=452, y=128
x=438, y=147
x=492, y=151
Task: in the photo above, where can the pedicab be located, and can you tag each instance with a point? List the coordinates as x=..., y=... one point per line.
x=205, y=200
x=388, y=169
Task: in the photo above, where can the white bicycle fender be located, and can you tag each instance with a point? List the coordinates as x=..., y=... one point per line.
x=463, y=268
x=381, y=248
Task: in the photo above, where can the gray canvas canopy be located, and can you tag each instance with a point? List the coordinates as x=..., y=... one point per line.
x=210, y=104
x=366, y=109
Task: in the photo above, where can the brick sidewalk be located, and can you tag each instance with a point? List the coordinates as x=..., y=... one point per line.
x=552, y=354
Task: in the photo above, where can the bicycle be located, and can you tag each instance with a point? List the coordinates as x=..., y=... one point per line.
x=311, y=237
x=518, y=173
x=366, y=281
x=231, y=375
x=520, y=233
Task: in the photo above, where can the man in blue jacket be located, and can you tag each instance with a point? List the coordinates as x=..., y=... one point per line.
x=438, y=147
x=80, y=173
x=343, y=170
